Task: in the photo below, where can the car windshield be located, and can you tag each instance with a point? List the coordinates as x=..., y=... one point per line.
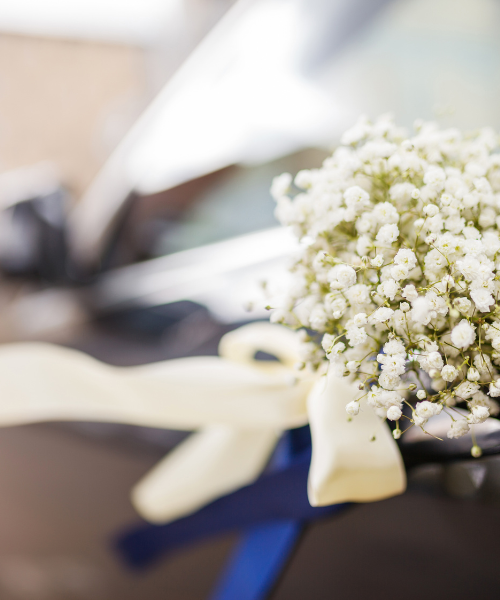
x=237, y=202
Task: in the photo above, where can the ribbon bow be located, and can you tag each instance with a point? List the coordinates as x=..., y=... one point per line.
x=238, y=405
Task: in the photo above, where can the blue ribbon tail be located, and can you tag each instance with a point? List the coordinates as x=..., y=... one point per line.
x=258, y=561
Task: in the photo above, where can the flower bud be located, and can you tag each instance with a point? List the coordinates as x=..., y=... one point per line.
x=476, y=451
x=473, y=374
x=396, y=434
x=431, y=210
x=352, y=409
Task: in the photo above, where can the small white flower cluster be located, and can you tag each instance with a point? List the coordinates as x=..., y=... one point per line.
x=399, y=273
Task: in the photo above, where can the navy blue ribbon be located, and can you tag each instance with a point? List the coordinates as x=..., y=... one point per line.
x=272, y=511
x=258, y=561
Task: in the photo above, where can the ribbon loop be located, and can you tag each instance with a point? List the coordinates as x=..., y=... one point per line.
x=352, y=461
x=243, y=343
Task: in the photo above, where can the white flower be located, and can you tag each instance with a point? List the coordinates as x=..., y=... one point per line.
x=360, y=319
x=388, y=288
x=421, y=394
x=327, y=342
x=406, y=258
x=482, y=362
x=320, y=260
x=385, y=212
x=337, y=305
x=358, y=294
x=449, y=373
x=466, y=389
x=352, y=366
x=435, y=177
x=394, y=346
x=458, y=428
x=419, y=421
x=356, y=336
x=399, y=272
x=495, y=342
x=471, y=200
x=378, y=261
x=426, y=409
x=481, y=184
x=380, y=398
x=421, y=311
x=473, y=374
x=480, y=399
x=364, y=245
x=431, y=210
x=281, y=185
x=473, y=247
x=337, y=349
x=356, y=198
x=304, y=179
x=394, y=413
x=494, y=389
x=342, y=276
x=469, y=267
x=478, y=414
x=285, y=211
x=434, y=260
x=463, y=305
x=435, y=360
x=410, y=293
x=482, y=299
x=491, y=242
x=392, y=364
x=337, y=367
x=437, y=304
x=389, y=381
x=454, y=224
x=382, y=314
x=403, y=192
x=352, y=408
x=463, y=334
x=318, y=317
x=427, y=344
x=399, y=322
x=471, y=233
x=364, y=223
x=387, y=234
x=435, y=224
x=487, y=217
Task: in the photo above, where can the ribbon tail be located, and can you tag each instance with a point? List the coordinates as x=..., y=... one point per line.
x=42, y=382
x=258, y=561
x=356, y=461
x=209, y=464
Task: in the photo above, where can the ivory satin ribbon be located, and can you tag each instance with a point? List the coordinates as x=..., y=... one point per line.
x=238, y=405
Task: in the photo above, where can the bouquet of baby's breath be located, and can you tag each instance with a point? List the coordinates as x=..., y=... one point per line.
x=399, y=273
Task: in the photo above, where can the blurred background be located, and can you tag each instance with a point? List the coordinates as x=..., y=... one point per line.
x=138, y=140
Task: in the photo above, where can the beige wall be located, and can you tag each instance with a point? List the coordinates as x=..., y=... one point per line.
x=66, y=101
